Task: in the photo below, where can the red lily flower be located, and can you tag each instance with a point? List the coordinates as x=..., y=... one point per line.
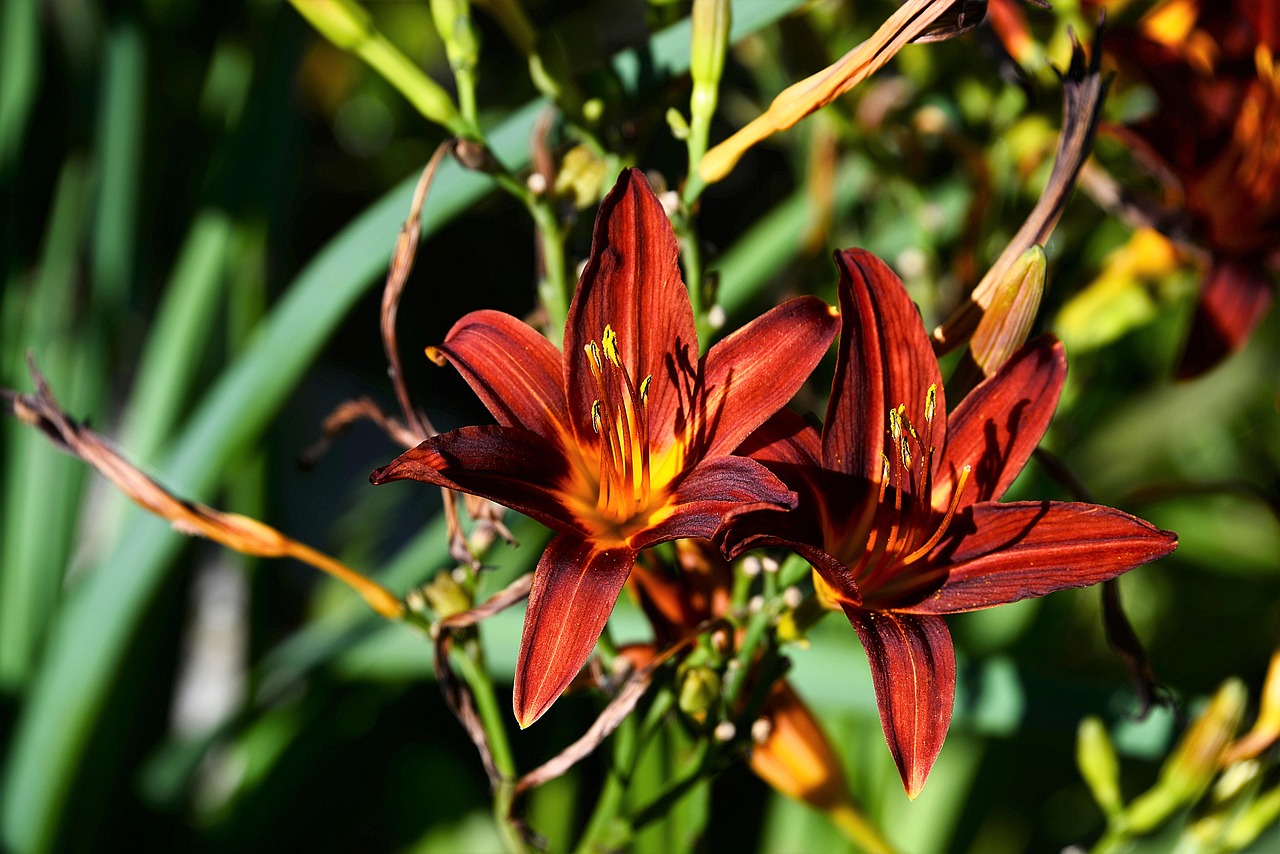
x=899, y=510
x=622, y=442
x=1213, y=68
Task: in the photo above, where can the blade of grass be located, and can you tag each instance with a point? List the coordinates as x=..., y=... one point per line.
x=177, y=337
x=119, y=145
x=42, y=485
x=19, y=75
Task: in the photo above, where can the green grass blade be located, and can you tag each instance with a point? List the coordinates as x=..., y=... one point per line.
x=19, y=74
x=42, y=485
x=119, y=136
x=178, y=336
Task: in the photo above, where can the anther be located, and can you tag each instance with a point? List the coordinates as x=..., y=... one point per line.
x=930, y=402
x=595, y=415
x=644, y=388
x=610, y=342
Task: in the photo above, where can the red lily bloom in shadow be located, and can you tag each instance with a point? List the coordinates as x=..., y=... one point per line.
x=899, y=504
x=1212, y=139
x=624, y=441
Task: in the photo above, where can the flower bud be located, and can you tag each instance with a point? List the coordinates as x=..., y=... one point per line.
x=452, y=19
x=1194, y=762
x=581, y=177
x=699, y=692
x=1006, y=320
x=445, y=596
x=1266, y=730
x=1096, y=758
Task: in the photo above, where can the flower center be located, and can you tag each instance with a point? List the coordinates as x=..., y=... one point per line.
x=900, y=519
x=620, y=417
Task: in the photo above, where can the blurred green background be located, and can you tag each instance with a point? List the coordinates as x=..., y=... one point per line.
x=199, y=201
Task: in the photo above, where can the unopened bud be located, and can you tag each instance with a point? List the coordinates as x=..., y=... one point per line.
x=1096, y=758
x=445, y=596
x=1266, y=730
x=761, y=730
x=792, y=597
x=1006, y=319
x=710, y=37
x=581, y=176
x=751, y=566
x=725, y=731
x=676, y=121
x=1194, y=762
x=699, y=692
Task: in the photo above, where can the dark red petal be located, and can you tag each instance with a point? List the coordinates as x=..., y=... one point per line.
x=516, y=372
x=884, y=360
x=631, y=282
x=1233, y=299
x=508, y=465
x=913, y=666
x=1030, y=548
x=575, y=587
x=998, y=424
x=785, y=438
x=709, y=493
x=754, y=372
x=796, y=530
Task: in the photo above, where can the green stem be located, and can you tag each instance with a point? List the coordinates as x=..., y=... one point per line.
x=468, y=662
x=691, y=254
x=553, y=290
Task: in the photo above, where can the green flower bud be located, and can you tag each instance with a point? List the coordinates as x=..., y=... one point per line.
x=1194, y=762
x=1096, y=757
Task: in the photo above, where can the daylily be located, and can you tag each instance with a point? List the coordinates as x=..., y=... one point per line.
x=899, y=504
x=1212, y=138
x=623, y=441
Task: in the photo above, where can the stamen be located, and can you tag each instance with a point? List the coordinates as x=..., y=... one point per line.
x=946, y=520
x=930, y=402
x=619, y=417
